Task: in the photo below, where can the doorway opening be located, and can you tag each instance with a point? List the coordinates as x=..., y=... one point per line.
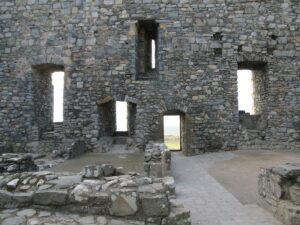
x=172, y=132
x=121, y=116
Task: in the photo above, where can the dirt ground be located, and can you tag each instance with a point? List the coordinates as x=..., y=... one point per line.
x=239, y=175
x=130, y=162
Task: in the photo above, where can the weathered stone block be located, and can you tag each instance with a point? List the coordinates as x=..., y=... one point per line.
x=108, y=170
x=66, y=181
x=50, y=197
x=22, y=199
x=287, y=170
x=169, y=182
x=155, y=205
x=15, y=220
x=124, y=203
x=12, y=185
x=295, y=194
x=155, y=169
x=166, y=163
x=178, y=216
x=81, y=193
x=288, y=212
x=5, y=198
x=99, y=198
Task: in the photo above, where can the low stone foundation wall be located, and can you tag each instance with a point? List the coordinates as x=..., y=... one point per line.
x=279, y=187
x=255, y=144
x=17, y=163
x=128, y=196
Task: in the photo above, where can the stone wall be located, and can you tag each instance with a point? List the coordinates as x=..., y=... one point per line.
x=103, y=192
x=279, y=187
x=200, y=45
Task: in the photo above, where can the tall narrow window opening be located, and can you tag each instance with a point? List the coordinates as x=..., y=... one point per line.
x=121, y=116
x=245, y=91
x=147, y=50
x=58, y=96
x=153, y=51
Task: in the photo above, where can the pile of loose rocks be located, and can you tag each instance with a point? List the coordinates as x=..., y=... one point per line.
x=279, y=187
x=157, y=160
x=10, y=162
x=100, y=190
x=26, y=162
x=70, y=149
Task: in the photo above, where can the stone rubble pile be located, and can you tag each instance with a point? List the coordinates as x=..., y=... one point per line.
x=26, y=162
x=157, y=160
x=70, y=149
x=279, y=187
x=10, y=162
x=128, y=196
x=103, y=170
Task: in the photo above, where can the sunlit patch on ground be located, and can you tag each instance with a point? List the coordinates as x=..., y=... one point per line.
x=172, y=142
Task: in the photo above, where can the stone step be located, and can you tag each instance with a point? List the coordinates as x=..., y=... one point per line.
x=118, y=148
x=121, y=149
x=120, y=140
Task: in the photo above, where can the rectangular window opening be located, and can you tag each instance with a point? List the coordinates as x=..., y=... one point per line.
x=121, y=116
x=172, y=134
x=245, y=91
x=147, y=45
x=58, y=96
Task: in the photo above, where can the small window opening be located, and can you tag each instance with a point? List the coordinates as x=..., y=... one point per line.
x=273, y=37
x=172, y=134
x=217, y=36
x=218, y=51
x=153, y=52
x=58, y=96
x=121, y=116
x=245, y=91
x=240, y=48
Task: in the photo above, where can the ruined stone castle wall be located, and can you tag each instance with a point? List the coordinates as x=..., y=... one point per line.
x=200, y=47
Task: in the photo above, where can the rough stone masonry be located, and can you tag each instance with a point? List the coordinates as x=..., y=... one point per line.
x=279, y=188
x=104, y=48
x=143, y=200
